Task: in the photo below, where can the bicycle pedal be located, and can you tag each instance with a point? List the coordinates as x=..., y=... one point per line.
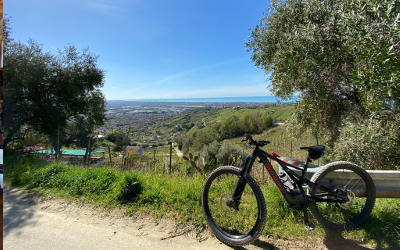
x=310, y=227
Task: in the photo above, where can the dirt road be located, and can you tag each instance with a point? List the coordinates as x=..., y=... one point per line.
x=34, y=223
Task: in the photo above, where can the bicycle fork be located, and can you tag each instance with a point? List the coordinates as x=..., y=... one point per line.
x=234, y=201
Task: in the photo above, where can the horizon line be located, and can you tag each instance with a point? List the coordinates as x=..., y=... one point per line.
x=182, y=98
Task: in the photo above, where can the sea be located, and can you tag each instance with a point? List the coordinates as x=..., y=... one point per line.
x=248, y=99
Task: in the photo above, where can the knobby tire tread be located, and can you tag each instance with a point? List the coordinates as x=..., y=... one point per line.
x=371, y=197
x=260, y=200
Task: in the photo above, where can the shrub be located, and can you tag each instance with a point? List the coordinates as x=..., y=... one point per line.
x=127, y=189
x=210, y=150
x=370, y=144
x=228, y=153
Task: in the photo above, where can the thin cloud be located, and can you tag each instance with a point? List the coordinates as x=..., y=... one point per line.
x=142, y=87
x=226, y=91
x=194, y=70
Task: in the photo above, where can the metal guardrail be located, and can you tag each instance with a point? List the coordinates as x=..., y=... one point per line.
x=387, y=182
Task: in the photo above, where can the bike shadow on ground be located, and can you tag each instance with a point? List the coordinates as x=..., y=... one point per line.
x=258, y=243
x=384, y=229
x=17, y=210
x=381, y=230
x=335, y=241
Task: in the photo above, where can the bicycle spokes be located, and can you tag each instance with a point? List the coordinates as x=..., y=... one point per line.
x=231, y=215
x=350, y=199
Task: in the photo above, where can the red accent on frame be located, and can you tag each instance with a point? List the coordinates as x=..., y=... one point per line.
x=274, y=154
x=285, y=160
x=296, y=163
x=275, y=178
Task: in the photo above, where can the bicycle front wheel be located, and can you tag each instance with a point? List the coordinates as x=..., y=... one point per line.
x=351, y=181
x=234, y=227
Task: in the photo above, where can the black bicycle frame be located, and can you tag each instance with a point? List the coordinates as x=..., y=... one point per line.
x=295, y=200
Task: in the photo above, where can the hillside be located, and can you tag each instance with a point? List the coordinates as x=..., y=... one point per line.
x=197, y=118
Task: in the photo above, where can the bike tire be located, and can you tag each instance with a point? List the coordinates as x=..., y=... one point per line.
x=359, y=188
x=233, y=228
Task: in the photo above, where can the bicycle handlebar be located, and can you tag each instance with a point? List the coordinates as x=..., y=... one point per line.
x=260, y=143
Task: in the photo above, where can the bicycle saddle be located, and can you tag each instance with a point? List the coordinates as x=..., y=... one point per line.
x=316, y=148
x=315, y=152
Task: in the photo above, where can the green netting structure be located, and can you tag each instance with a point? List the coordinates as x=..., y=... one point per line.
x=68, y=152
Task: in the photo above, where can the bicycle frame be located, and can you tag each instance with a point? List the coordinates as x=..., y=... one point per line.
x=235, y=228
x=296, y=200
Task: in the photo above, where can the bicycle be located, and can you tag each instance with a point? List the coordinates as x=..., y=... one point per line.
x=234, y=206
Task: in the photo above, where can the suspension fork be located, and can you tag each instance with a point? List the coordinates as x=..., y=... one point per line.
x=234, y=202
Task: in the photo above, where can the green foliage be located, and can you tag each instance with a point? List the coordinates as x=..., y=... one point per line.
x=46, y=92
x=372, y=144
x=230, y=127
x=205, y=136
x=383, y=226
x=74, y=180
x=18, y=170
x=213, y=155
x=179, y=197
x=127, y=189
x=165, y=195
x=210, y=150
x=341, y=56
x=193, y=161
x=208, y=164
x=204, y=162
x=280, y=215
x=119, y=138
x=266, y=121
x=228, y=154
x=251, y=122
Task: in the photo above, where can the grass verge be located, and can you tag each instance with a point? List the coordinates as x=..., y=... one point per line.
x=179, y=197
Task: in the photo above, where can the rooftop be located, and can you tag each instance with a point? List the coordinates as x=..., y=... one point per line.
x=81, y=152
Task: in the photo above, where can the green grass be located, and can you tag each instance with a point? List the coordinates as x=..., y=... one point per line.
x=178, y=196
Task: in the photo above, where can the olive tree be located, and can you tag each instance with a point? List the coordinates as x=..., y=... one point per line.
x=45, y=92
x=341, y=57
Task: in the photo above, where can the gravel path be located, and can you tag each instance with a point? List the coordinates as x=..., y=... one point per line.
x=34, y=223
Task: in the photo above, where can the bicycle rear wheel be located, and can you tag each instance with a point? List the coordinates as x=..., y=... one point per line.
x=233, y=227
x=346, y=179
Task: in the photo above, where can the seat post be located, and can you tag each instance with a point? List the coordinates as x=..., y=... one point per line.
x=303, y=172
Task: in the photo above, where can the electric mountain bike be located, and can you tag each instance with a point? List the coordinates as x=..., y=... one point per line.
x=340, y=195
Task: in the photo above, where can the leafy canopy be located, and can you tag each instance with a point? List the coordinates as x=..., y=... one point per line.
x=45, y=92
x=341, y=57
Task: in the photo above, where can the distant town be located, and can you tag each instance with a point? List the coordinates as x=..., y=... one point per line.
x=149, y=122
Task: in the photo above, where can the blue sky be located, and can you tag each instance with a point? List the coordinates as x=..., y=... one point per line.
x=153, y=49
